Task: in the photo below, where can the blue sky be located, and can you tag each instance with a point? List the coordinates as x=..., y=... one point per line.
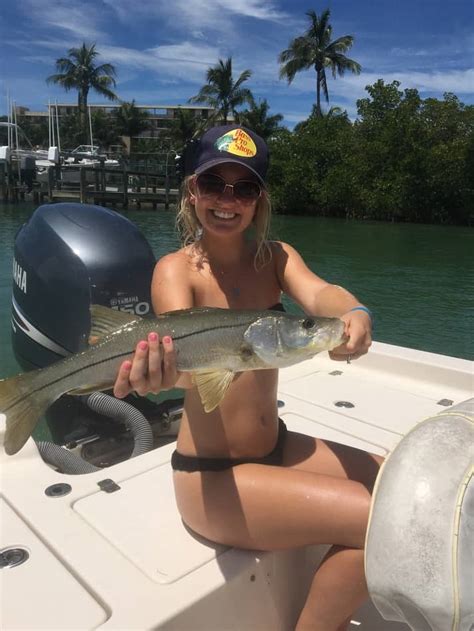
x=162, y=48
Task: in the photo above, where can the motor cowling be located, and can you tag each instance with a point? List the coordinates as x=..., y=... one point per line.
x=66, y=257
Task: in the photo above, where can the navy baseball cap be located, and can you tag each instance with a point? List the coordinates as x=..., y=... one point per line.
x=232, y=143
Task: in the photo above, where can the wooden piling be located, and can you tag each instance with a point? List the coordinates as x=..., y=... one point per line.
x=3, y=181
x=82, y=186
x=125, y=186
x=51, y=179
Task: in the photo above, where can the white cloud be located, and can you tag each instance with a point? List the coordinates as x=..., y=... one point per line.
x=195, y=17
x=258, y=9
x=352, y=87
x=79, y=19
x=185, y=61
x=458, y=81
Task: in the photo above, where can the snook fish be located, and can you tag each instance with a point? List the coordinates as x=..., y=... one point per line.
x=213, y=344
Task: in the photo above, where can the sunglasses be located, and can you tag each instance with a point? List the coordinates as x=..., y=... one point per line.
x=210, y=184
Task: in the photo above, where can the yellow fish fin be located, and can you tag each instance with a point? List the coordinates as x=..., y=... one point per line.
x=212, y=387
x=105, y=321
x=23, y=408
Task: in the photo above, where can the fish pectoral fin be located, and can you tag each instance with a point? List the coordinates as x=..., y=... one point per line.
x=105, y=321
x=212, y=387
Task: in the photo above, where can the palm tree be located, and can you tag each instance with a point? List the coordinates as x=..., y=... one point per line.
x=78, y=71
x=257, y=119
x=105, y=133
x=221, y=92
x=315, y=50
x=130, y=121
x=184, y=127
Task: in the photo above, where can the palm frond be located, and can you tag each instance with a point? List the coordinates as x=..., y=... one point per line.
x=340, y=64
x=244, y=76
x=106, y=70
x=340, y=45
x=101, y=85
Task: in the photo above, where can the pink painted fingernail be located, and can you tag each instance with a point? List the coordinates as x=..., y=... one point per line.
x=167, y=339
x=143, y=346
x=152, y=337
x=127, y=365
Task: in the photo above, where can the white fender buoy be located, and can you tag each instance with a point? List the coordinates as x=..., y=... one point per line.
x=419, y=555
x=53, y=155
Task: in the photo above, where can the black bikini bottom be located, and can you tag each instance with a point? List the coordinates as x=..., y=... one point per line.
x=196, y=463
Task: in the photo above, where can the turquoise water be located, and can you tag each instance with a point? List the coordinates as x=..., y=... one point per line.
x=417, y=279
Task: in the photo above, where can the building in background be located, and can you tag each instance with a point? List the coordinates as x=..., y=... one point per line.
x=160, y=117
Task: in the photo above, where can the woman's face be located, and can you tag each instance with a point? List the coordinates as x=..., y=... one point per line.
x=224, y=213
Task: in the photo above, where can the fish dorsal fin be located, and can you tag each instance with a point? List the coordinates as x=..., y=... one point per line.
x=212, y=387
x=105, y=321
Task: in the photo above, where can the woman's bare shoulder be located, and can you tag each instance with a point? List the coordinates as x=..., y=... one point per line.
x=172, y=262
x=282, y=253
x=171, y=285
x=280, y=248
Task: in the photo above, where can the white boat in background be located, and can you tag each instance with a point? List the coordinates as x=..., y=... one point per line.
x=108, y=550
x=89, y=155
x=42, y=157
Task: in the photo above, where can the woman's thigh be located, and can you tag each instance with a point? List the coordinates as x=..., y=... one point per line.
x=266, y=507
x=314, y=455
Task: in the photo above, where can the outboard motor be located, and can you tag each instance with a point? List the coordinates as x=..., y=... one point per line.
x=67, y=257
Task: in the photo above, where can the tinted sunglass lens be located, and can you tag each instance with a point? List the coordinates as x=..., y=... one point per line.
x=245, y=189
x=211, y=184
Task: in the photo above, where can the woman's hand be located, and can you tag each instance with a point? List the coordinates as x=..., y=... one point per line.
x=359, y=331
x=151, y=369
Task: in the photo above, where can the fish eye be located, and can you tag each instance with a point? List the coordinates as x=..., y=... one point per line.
x=308, y=323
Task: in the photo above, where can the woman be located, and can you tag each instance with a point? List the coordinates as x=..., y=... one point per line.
x=240, y=478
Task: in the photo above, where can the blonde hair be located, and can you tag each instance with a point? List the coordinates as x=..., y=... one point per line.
x=190, y=229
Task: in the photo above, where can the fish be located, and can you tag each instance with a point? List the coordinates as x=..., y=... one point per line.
x=212, y=343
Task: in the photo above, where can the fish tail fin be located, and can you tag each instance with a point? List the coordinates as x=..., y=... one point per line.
x=23, y=407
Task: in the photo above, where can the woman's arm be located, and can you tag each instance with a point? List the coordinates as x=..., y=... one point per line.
x=318, y=297
x=153, y=365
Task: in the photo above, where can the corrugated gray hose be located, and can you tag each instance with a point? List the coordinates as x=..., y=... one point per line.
x=71, y=463
x=64, y=460
x=127, y=414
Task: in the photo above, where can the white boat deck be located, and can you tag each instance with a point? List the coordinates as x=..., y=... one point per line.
x=124, y=560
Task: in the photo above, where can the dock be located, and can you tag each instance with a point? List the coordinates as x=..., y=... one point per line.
x=122, y=185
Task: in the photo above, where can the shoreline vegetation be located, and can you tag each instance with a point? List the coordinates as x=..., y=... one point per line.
x=403, y=159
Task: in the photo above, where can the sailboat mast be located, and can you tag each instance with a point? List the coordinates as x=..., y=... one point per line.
x=57, y=126
x=90, y=127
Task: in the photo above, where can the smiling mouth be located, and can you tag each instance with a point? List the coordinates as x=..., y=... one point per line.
x=223, y=215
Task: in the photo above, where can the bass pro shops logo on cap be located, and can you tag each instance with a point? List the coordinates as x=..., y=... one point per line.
x=237, y=142
x=228, y=143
